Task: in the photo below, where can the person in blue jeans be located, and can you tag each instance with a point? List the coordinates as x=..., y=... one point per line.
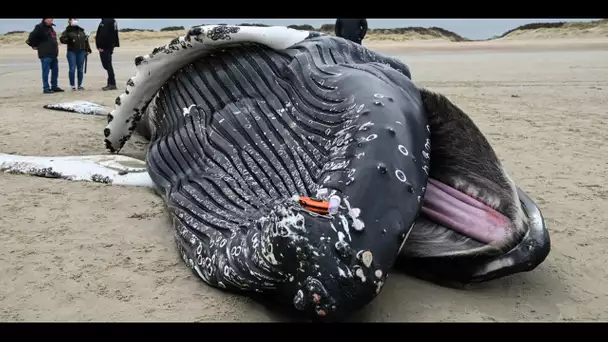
x=78, y=47
x=44, y=40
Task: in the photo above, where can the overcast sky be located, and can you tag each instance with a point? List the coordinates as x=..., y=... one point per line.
x=469, y=28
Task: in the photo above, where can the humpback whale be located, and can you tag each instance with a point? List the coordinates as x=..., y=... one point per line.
x=306, y=168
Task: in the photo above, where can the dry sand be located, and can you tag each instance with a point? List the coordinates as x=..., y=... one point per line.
x=80, y=251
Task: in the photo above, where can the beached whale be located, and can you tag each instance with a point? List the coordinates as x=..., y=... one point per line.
x=304, y=166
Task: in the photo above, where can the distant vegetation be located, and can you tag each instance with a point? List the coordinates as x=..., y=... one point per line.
x=14, y=32
x=134, y=30
x=555, y=25
x=534, y=26
x=302, y=27
x=172, y=28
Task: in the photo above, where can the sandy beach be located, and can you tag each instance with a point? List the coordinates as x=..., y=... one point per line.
x=73, y=251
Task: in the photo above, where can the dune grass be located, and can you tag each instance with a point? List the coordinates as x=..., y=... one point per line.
x=592, y=29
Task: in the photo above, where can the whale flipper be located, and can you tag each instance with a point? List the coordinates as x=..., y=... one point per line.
x=108, y=169
x=80, y=107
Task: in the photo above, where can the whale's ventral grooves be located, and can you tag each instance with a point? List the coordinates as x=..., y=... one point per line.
x=239, y=132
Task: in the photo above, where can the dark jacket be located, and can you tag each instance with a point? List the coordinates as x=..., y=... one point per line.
x=351, y=29
x=106, y=36
x=75, y=38
x=44, y=39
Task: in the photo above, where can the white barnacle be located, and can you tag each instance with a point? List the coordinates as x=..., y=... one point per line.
x=371, y=137
x=359, y=273
x=334, y=204
x=187, y=110
x=403, y=150
x=354, y=213
x=379, y=286
x=400, y=175
x=366, y=125
x=298, y=300
x=358, y=225
x=367, y=258
x=235, y=251
x=378, y=273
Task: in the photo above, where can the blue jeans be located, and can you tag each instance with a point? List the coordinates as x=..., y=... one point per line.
x=49, y=64
x=76, y=61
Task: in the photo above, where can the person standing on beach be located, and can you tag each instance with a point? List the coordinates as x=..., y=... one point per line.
x=44, y=40
x=106, y=39
x=78, y=48
x=351, y=29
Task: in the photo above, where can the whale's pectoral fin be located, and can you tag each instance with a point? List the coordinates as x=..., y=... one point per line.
x=109, y=169
x=81, y=107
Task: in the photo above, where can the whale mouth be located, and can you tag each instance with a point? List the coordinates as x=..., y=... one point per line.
x=464, y=214
x=471, y=206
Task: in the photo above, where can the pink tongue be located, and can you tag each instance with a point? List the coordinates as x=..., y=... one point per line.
x=463, y=214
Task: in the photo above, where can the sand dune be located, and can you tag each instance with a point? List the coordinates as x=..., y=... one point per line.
x=578, y=30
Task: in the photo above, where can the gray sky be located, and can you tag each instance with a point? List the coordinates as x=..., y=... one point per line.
x=469, y=28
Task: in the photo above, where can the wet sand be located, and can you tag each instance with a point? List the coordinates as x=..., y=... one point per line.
x=90, y=252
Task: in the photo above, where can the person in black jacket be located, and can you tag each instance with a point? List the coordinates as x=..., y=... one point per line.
x=77, y=42
x=351, y=29
x=44, y=39
x=106, y=39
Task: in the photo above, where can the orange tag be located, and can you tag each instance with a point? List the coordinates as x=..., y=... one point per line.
x=317, y=206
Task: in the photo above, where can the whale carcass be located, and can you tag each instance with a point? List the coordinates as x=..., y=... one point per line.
x=304, y=166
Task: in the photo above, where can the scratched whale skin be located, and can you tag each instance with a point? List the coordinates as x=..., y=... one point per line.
x=245, y=122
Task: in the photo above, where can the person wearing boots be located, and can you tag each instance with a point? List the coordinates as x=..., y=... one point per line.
x=78, y=48
x=43, y=39
x=106, y=39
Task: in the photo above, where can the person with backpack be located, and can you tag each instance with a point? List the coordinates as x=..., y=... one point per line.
x=44, y=40
x=106, y=39
x=78, y=47
x=351, y=29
